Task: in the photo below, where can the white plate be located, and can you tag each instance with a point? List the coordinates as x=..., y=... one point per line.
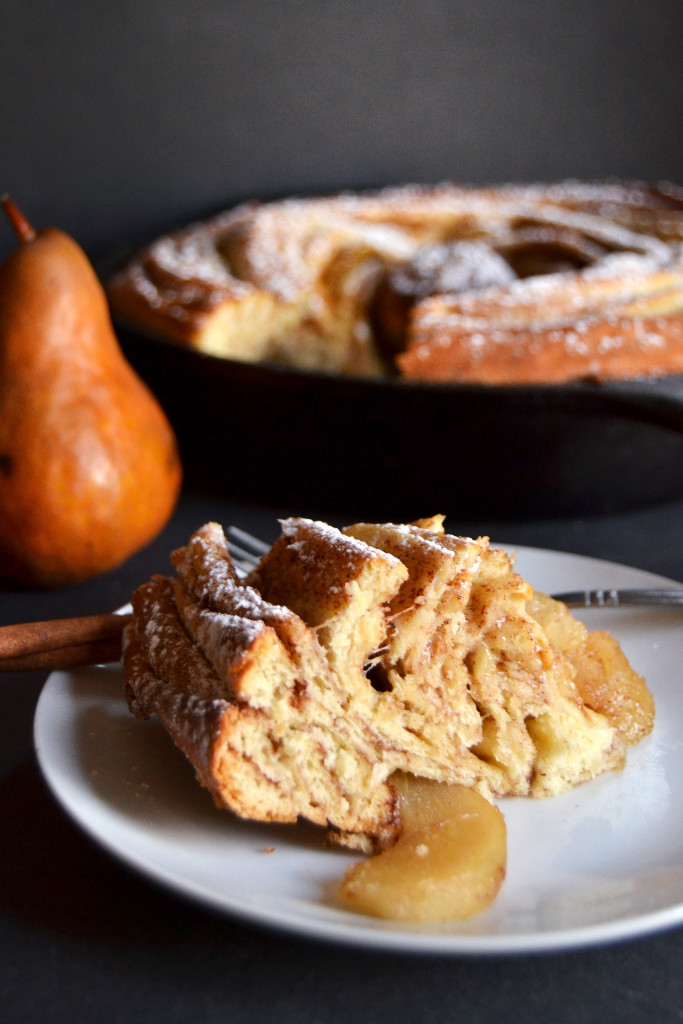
x=601, y=863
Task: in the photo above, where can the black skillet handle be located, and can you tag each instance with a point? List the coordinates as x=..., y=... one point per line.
x=656, y=400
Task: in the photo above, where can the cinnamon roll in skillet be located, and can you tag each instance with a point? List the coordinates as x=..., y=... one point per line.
x=510, y=284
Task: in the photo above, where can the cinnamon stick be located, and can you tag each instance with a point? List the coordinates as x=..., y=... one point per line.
x=61, y=643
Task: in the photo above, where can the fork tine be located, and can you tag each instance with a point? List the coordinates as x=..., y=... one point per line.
x=245, y=555
x=241, y=568
x=252, y=546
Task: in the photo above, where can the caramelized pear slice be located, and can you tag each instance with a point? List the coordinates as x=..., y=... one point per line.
x=608, y=684
x=448, y=863
x=604, y=678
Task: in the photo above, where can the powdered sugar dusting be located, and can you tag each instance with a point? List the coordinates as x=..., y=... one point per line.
x=319, y=259
x=218, y=584
x=302, y=533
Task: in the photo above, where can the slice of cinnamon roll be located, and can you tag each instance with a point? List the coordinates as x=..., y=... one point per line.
x=350, y=655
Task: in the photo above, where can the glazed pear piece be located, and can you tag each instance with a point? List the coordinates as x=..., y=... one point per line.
x=89, y=466
x=448, y=863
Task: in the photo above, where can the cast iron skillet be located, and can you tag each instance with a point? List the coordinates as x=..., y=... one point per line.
x=312, y=443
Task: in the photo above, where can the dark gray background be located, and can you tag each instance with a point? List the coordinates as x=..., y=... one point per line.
x=121, y=119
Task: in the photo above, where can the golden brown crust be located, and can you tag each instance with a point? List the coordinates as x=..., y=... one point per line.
x=328, y=283
x=624, y=321
x=168, y=676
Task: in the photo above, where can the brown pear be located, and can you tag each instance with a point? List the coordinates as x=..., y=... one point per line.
x=89, y=466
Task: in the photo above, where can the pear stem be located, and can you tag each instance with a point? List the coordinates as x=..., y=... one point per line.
x=25, y=232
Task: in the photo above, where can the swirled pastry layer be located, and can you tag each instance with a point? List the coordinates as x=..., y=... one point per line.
x=513, y=284
x=350, y=655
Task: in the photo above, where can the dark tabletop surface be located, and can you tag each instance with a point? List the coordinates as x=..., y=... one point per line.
x=83, y=938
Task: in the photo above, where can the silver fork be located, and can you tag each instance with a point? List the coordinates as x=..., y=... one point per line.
x=246, y=550
x=668, y=596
